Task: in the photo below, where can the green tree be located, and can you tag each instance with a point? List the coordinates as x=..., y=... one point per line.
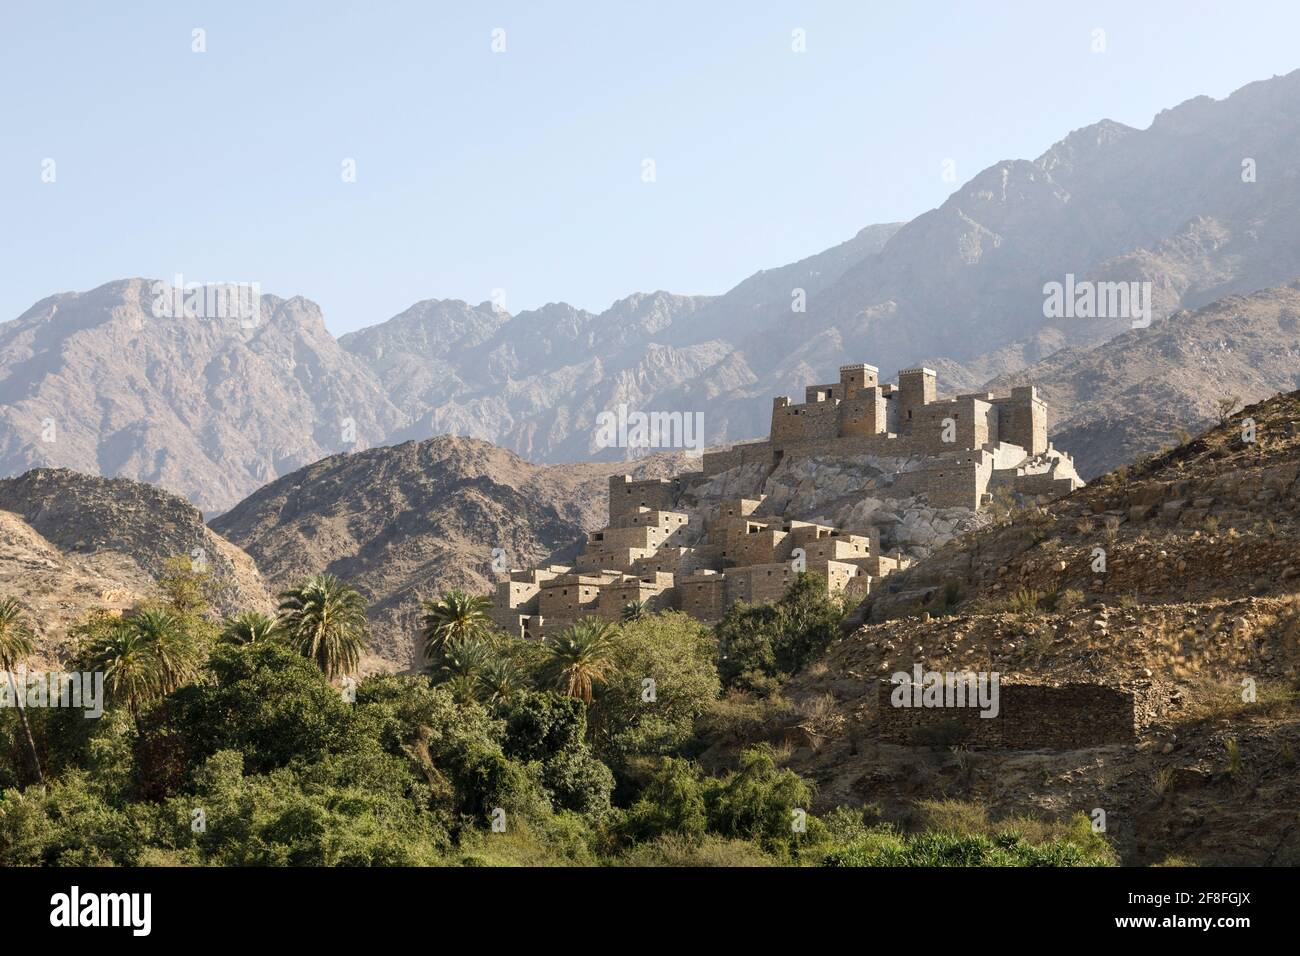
x=184, y=588
x=581, y=656
x=662, y=681
x=635, y=610
x=16, y=645
x=133, y=674
x=501, y=679
x=672, y=801
x=764, y=641
x=457, y=615
x=762, y=802
x=325, y=621
x=250, y=627
x=551, y=729
x=173, y=645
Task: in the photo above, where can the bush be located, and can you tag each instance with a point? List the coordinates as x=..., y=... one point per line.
x=550, y=729
x=777, y=639
x=944, y=849
x=677, y=653
x=759, y=802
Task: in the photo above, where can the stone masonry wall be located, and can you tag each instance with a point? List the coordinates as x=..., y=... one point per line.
x=1030, y=717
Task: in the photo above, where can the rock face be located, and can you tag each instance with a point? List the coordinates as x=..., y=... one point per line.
x=72, y=542
x=94, y=382
x=59, y=587
x=409, y=522
x=1153, y=645
x=203, y=407
x=1129, y=397
x=852, y=493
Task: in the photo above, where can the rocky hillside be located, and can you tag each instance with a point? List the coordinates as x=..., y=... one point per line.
x=960, y=288
x=71, y=542
x=1200, y=591
x=535, y=382
x=59, y=587
x=1131, y=396
x=408, y=522
x=202, y=407
x=213, y=410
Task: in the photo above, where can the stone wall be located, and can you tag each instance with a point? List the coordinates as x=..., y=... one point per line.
x=1030, y=717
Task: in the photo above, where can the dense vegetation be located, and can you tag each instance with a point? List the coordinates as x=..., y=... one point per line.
x=244, y=742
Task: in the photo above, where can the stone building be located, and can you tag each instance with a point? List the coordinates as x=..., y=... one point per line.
x=666, y=546
x=660, y=560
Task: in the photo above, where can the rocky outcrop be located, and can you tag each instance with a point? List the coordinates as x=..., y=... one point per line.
x=71, y=542
x=409, y=522
x=207, y=408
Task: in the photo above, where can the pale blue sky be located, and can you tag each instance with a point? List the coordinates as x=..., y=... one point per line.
x=522, y=170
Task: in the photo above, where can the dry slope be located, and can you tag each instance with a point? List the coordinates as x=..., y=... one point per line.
x=1199, y=592
x=410, y=521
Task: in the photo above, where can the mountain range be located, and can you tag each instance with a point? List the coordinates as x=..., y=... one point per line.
x=1202, y=205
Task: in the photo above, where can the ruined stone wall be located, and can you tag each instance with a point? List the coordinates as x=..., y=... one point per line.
x=1030, y=717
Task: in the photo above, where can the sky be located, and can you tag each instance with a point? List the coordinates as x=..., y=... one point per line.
x=544, y=151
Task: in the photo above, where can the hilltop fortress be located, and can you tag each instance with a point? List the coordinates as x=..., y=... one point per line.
x=871, y=462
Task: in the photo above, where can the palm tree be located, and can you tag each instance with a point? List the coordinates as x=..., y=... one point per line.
x=16, y=645
x=458, y=614
x=250, y=627
x=464, y=657
x=172, y=643
x=325, y=620
x=501, y=678
x=635, y=610
x=581, y=655
x=128, y=658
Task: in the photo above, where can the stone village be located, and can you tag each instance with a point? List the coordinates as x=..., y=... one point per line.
x=668, y=545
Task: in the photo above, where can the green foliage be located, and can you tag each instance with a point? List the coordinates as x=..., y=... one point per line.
x=946, y=849
x=635, y=611
x=265, y=702
x=550, y=729
x=184, y=589
x=250, y=627
x=283, y=770
x=457, y=616
x=325, y=621
x=581, y=656
x=771, y=640
x=671, y=802
x=631, y=717
x=16, y=645
x=1023, y=601
x=761, y=802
